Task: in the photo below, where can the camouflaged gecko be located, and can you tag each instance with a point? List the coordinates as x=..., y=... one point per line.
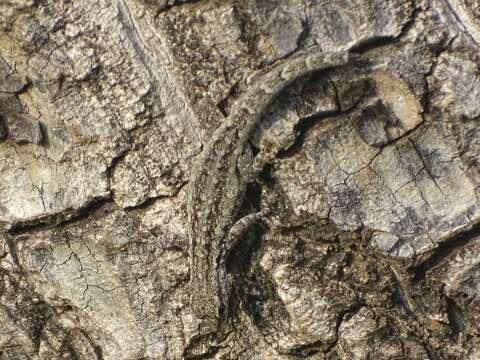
x=217, y=187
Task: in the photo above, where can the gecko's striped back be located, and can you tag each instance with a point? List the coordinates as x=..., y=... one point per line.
x=216, y=188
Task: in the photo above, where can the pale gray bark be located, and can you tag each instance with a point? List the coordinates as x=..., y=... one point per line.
x=371, y=242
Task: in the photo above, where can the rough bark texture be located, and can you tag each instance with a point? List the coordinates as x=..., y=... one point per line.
x=367, y=180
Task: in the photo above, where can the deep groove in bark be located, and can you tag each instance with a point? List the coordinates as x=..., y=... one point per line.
x=445, y=249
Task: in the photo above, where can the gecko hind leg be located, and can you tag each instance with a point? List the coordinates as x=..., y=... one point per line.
x=201, y=346
x=236, y=233
x=242, y=226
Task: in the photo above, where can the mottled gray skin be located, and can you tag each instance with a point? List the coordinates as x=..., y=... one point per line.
x=217, y=188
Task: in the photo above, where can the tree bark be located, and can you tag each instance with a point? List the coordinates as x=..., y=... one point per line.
x=113, y=119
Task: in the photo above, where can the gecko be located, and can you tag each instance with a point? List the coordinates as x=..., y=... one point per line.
x=217, y=187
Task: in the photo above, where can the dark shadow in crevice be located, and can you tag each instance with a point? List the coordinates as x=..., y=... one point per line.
x=61, y=219
x=456, y=318
x=444, y=250
x=372, y=43
x=302, y=128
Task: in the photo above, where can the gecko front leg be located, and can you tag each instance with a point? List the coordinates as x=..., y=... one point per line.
x=269, y=148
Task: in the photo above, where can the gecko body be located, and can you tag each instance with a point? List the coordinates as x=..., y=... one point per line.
x=217, y=188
